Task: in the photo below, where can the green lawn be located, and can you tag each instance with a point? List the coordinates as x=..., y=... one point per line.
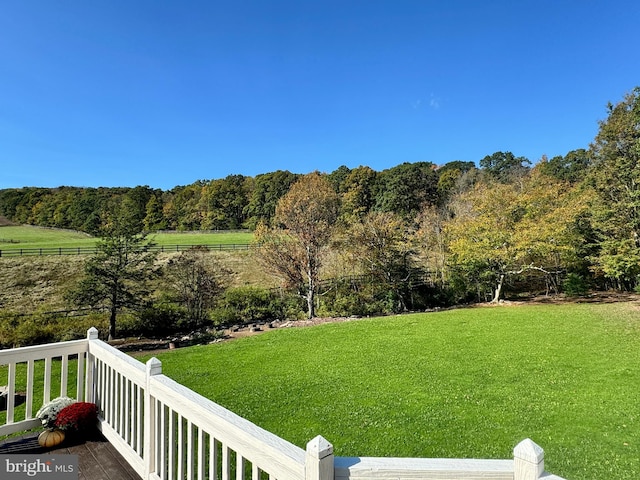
x=17, y=237
x=467, y=383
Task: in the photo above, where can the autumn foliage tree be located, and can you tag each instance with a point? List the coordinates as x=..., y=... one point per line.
x=379, y=245
x=501, y=229
x=295, y=248
x=195, y=279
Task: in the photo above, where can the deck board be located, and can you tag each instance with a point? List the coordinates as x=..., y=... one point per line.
x=97, y=458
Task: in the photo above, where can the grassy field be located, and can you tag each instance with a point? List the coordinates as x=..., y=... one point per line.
x=17, y=237
x=467, y=383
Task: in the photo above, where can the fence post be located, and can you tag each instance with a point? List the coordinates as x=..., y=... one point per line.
x=154, y=367
x=318, y=463
x=528, y=461
x=89, y=387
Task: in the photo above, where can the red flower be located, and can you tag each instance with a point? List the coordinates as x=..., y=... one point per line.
x=77, y=416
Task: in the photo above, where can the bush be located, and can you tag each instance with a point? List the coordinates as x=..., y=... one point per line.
x=39, y=328
x=575, y=285
x=155, y=321
x=254, y=304
x=352, y=297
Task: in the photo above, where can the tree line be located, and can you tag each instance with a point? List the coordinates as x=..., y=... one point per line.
x=233, y=202
x=566, y=223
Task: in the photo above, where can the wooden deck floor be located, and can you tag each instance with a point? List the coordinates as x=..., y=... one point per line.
x=97, y=458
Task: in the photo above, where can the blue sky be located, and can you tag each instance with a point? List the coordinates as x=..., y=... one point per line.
x=164, y=93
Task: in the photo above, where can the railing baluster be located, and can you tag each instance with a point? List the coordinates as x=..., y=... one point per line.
x=127, y=410
x=139, y=412
x=226, y=463
x=121, y=404
x=255, y=472
x=107, y=392
x=29, y=399
x=163, y=442
x=11, y=393
x=180, y=445
x=213, y=458
x=190, y=448
x=110, y=392
x=114, y=398
x=100, y=401
x=64, y=375
x=171, y=443
x=47, y=380
x=201, y=455
x=240, y=465
x=80, y=377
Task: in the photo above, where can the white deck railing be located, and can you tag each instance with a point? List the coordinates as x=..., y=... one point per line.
x=168, y=432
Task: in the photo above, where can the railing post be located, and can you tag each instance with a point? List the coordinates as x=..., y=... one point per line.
x=319, y=460
x=92, y=333
x=154, y=367
x=528, y=461
x=89, y=387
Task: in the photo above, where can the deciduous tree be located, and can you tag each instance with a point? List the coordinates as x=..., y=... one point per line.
x=295, y=248
x=196, y=278
x=407, y=188
x=615, y=177
x=265, y=194
x=504, y=166
x=503, y=229
x=379, y=245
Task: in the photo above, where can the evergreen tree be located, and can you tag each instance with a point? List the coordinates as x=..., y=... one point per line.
x=116, y=277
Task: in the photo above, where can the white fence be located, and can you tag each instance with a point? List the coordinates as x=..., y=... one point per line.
x=168, y=432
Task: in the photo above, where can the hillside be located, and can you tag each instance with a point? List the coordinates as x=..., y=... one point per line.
x=28, y=284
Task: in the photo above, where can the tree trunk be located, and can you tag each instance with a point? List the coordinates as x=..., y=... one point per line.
x=311, y=310
x=311, y=277
x=113, y=313
x=112, y=323
x=498, y=292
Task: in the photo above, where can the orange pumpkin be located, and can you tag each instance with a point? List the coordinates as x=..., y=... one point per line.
x=50, y=438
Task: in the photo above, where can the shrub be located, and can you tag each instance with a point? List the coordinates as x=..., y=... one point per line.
x=155, y=321
x=21, y=330
x=254, y=304
x=575, y=285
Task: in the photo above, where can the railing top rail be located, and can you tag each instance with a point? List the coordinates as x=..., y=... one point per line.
x=233, y=430
x=122, y=362
x=37, y=352
x=422, y=468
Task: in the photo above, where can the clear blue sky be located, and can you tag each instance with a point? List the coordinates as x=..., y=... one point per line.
x=163, y=93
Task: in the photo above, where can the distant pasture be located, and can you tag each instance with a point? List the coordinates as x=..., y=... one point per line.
x=29, y=237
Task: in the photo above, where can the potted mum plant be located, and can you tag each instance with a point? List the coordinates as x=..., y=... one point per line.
x=47, y=414
x=77, y=418
x=63, y=416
